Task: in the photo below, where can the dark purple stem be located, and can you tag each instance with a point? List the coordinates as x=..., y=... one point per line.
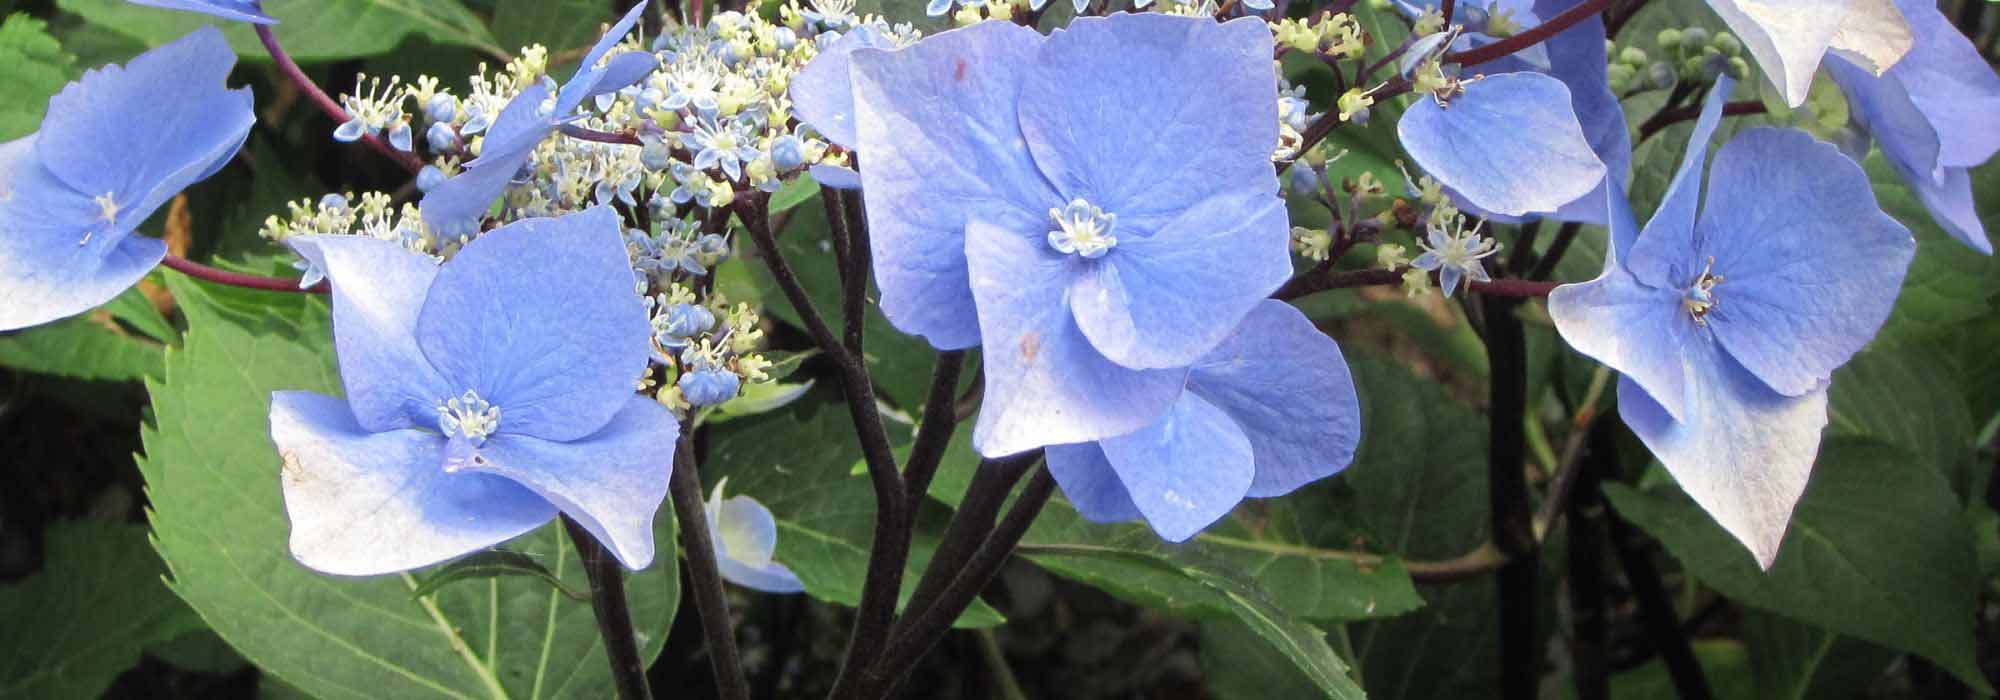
x=238, y=279
x=325, y=102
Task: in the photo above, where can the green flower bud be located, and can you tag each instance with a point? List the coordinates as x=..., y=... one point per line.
x=1728, y=44
x=1669, y=38
x=1693, y=39
x=1738, y=68
x=1632, y=55
x=1620, y=76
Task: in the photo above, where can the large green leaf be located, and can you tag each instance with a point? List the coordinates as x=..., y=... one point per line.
x=1420, y=486
x=1792, y=660
x=311, y=30
x=796, y=461
x=556, y=24
x=1902, y=395
x=1948, y=283
x=219, y=521
x=37, y=67
x=84, y=618
x=1291, y=547
x=1877, y=549
x=81, y=348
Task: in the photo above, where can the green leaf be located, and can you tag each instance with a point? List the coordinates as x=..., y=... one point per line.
x=556, y=24
x=133, y=308
x=1291, y=547
x=1948, y=283
x=1792, y=660
x=37, y=68
x=1877, y=549
x=310, y=30
x=86, y=616
x=795, y=462
x=219, y=521
x=489, y=564
x=1902, y=396
x=1237, y=665
x=760, y=397
x=1420, y=486
x=794, y=193
x=86, y=347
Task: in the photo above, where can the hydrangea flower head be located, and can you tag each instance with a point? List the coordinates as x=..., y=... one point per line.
x=1790, y=37
x=1140, y=143
x=745, y=537
x=1933, y=115
x=115, y=145
x=483, y=397
x=1726, y=317
x=457, y=203
x=1269, y=410
x=251, y=11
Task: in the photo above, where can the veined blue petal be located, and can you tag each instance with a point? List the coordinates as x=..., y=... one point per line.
x=1743, y=453
x=823, y=92
x=539, y=318
x=1663, y=256
x=142, y=132
x=378, y=289
x=364, y=503
x=835, y=177
x=1287, y=386
x=1089, y=483
x=1205, y=93
x=459, y=203
x=251, y=11
x=58, y=257
x=1789, y=41
x=1045, y=383
x=611, y=482
x=1810, y=265
x=938, y=128
x=1163, y=298
x=1502, y=126
x=1185, y=471
x=591, y=80
x=771, y=577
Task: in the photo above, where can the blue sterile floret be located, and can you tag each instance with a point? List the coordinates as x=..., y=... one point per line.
x=746, y=537
x=1095, y=342
x=1933, y=114
x=1726, y=316
x=1269, y=410
x=459, y=430
x=115, y=146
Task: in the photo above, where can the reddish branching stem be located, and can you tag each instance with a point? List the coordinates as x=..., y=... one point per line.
x=1530, y=37
x=238, y=279
x=325, y=102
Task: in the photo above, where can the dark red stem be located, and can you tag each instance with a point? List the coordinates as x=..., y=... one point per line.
x=238, y=279
x=326, y=103
x=1534, y=35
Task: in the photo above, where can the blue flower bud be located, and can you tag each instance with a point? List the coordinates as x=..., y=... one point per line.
x=711, y=249
x=1303, y=179
x=429, y=177
x=709, y=386
x=684, y=321
x=441, y=138
x=441, y=108
x=655, y=155
x=333, y=202
x=787, y=153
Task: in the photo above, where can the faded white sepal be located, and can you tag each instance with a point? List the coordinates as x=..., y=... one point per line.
x=1875, y=35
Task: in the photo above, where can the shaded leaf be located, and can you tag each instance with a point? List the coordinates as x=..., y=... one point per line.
x=489, y=564
x=1877, y=549
x=310, y=30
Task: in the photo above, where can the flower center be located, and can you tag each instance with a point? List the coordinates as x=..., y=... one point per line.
x=1082, y=229
x=1699, y=298
x=468, y=417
